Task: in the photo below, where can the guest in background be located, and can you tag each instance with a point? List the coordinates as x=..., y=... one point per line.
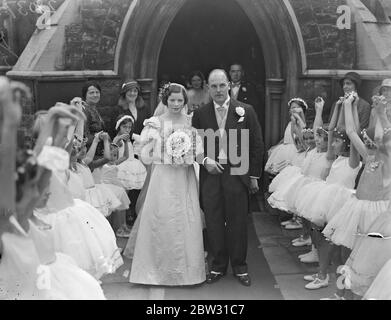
x=198, y=94
x=91, y=94
x=131, y=103
x=244, y=91
x=241, y=90
x=351, y=82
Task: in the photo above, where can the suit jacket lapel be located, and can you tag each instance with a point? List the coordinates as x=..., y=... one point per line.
x=231, y=118
x=212, y=116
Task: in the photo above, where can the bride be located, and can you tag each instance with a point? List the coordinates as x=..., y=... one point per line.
x=168, y=248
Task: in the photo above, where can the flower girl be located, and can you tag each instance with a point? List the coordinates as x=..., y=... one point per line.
x=321, y=199
x=372, y=247
x=289, y=150
x=105, y=197
x=131, y=172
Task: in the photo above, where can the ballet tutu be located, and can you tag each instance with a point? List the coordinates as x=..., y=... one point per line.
x=120, y=194
x=132, y=174
x=279, y=153
x=278, y=198
x=320, y=201
x=85, y=235
x=370, y=254
x=69, y=282
x=286, y=174
x=381, y=286
x=295, y=192
x=103, y=198
x=355, y=216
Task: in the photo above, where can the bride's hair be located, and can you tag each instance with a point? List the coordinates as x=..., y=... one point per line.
x=173, y=88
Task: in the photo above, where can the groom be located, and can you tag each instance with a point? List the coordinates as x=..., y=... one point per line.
x=224, y=185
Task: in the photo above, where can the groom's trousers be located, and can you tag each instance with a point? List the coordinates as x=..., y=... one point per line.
x=225, y=201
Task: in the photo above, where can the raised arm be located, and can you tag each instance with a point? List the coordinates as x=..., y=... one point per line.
x=11, y=118
x=332, y=126
x=354, y=156
x=381, y=114
x=97, y=163
x=297, y=131
x=351, y=129
x=125, y=157
x=318, y=122
x=91, y=152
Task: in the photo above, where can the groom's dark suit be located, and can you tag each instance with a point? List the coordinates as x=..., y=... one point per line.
x=225, y=197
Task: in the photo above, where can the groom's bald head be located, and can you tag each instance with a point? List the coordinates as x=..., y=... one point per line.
x=218, y=85
x=218, y=73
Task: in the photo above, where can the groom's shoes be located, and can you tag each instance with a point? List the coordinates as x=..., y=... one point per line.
x=214, y=277
x=244, y=279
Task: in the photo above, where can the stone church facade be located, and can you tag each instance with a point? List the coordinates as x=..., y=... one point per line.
x=306, y=47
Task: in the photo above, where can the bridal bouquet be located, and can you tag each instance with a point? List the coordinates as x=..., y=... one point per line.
x=182, y=146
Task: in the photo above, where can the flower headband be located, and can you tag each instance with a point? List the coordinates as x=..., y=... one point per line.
x=165, y=88
x=368, y=141
x=341, y=135
x=121, y=120
x=307, y=131
x=298, y=100
x=321, y=130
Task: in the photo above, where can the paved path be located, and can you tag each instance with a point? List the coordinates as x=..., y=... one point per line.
x=264, y=286
x=274, y=267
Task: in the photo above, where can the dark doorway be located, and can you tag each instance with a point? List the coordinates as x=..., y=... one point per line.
x=206, y=35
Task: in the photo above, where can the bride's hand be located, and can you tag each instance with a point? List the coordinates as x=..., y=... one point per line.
x=213, y=167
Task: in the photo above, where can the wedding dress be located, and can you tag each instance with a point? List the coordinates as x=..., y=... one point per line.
x=166, y=241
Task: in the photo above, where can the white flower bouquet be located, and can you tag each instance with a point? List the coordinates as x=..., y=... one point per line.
x=182, y=146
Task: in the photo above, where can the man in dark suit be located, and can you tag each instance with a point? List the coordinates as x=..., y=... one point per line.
x=225, y=182
x=243, y=91
x=246, y=92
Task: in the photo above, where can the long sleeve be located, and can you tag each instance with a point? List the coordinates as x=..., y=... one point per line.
x=364, y=113
x=257, y=147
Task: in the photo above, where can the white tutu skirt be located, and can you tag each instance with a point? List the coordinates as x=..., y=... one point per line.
x=278, y=199
x=279, y=153
x=69, y=282
x=370, y=254
x=381, y=286
x=103, y=199
x=132, y=174
x=286, y=174
x=295, y=192
x=120, y=194
x=355, y=216
x=319, y=201
x=85, y=235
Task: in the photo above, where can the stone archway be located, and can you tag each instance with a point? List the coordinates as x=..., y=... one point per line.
x=149, y=23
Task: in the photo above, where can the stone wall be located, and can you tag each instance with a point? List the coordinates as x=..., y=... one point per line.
x=91, y=44
x=326, y=46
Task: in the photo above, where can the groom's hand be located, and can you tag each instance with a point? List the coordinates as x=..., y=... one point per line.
x=254, y=188
x=213, y=167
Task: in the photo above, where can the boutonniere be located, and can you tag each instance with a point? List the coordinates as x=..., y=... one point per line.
x=244, y=89
x=240, y=111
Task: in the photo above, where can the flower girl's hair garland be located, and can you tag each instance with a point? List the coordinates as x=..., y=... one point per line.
x=122, y=120
x=299, y=101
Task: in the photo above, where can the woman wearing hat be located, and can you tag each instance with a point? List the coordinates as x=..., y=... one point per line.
x=131, y=103
x=351, y=82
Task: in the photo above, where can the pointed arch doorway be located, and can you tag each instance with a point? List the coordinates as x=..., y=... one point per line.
x=147, y=30
x=197, y=40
